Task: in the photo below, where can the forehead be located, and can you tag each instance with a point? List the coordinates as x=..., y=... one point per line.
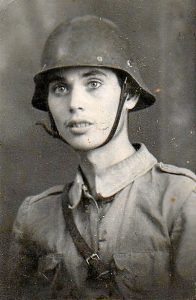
x=80, y=73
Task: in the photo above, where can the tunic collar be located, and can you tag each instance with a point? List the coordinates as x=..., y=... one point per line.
x=116, y=177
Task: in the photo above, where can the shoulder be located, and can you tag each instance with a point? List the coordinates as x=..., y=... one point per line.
x=179, y=181
x=176, y=177
x=37, y=208
x=170, y=169
x=176, y=185
x=46, y=195
x=45, y=198
x=172, y=182
x=174, y=189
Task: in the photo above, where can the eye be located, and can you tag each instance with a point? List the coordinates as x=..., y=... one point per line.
x=94, y=84
x=60, y=89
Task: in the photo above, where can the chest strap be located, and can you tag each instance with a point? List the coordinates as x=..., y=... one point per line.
x=97, y=267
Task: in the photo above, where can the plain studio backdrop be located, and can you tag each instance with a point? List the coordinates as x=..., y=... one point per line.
x=162, y=38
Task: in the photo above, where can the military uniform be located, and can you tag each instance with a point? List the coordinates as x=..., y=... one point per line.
x=142, y=221
x=142, y=224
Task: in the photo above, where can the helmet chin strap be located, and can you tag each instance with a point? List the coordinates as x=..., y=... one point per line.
x=123, y=97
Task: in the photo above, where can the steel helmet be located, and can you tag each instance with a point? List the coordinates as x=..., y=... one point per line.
x=88, y=41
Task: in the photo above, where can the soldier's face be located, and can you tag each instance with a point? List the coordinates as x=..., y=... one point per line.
x=83, y=102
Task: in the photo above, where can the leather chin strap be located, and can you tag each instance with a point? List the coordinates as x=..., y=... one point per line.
x=123, y=97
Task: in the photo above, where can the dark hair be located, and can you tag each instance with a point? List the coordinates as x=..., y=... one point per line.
x=134, y=88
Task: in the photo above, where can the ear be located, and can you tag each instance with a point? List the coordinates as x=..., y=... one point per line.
x=131, y=101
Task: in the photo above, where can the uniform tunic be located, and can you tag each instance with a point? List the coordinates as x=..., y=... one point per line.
x=142, y=224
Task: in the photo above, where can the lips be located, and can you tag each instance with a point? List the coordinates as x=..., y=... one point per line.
x=79, y=126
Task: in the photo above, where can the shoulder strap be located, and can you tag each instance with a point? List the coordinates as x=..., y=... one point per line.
x=92, y=259
x=176, y=170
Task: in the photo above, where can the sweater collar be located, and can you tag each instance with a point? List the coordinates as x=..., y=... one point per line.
x=113, y=179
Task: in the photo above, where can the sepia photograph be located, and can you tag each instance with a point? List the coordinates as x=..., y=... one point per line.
x=98, y=126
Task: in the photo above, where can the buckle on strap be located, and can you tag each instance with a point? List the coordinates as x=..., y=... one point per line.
x=94, y=256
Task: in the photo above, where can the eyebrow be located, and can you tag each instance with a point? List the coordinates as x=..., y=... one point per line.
x=93, y=73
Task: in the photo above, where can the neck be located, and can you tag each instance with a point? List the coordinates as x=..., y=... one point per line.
x=96, y=161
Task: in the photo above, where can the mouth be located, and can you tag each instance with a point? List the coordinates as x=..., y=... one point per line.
x=79, y=126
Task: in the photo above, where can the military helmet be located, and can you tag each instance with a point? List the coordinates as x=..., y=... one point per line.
x=88, y=41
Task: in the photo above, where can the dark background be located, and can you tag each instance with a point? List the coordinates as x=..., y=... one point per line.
x=163, y=38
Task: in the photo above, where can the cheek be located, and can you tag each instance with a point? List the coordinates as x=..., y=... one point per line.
x=55, y=106
x=108, y=108
x=58, y=110
x=105, y=117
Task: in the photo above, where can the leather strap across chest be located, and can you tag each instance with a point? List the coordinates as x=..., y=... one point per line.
x=97, y=266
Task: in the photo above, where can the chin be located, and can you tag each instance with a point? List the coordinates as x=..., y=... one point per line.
x=83, y=144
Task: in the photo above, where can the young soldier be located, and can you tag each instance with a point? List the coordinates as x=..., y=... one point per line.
x=126, y=227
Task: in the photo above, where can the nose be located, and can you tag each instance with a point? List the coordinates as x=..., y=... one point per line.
x=76, y=99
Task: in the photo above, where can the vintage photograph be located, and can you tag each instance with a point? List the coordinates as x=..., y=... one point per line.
x=98, y=193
